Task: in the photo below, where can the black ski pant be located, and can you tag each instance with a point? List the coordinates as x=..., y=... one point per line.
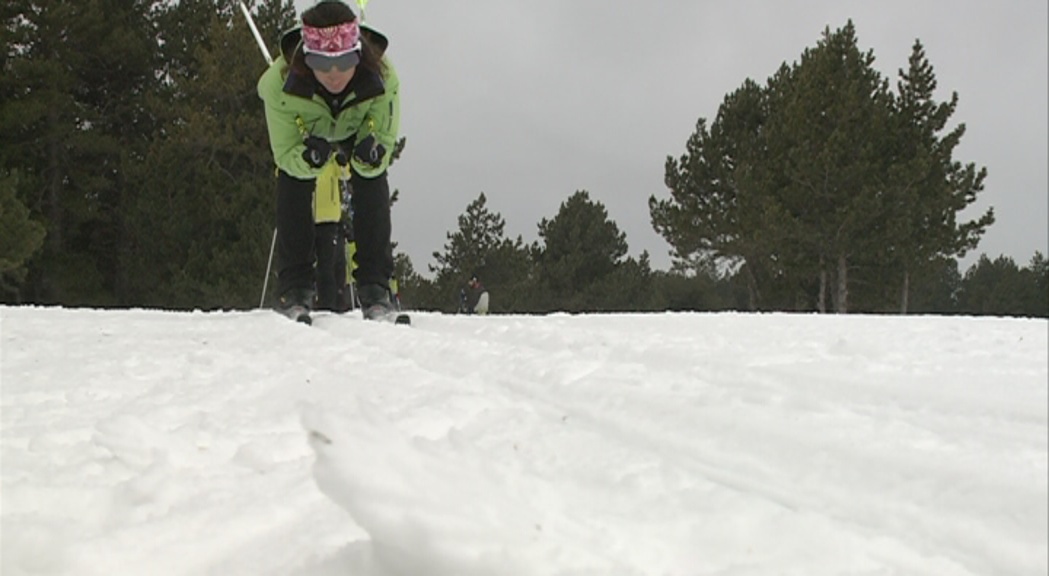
x=328, y=243
x=296, y=232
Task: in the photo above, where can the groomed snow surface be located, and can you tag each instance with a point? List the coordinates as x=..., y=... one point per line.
x=142, y=442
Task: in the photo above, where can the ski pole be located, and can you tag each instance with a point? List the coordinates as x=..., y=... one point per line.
x=255, y=32
x=269, y=60
x=269, y=267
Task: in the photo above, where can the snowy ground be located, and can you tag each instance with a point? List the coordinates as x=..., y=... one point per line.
x=152, y=443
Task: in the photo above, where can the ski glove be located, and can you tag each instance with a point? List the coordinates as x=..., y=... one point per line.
x=317, y=151
x=369, y=152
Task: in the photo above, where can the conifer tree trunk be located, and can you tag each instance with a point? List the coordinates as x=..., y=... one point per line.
x=752, y=290
x=841, y=303
x=905, y=293
x=44, y=288
x=54, y=189
x=821, y=305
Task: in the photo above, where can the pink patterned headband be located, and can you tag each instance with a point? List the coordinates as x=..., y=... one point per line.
x=332, y=40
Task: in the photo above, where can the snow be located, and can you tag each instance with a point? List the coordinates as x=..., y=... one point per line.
x=162, y=443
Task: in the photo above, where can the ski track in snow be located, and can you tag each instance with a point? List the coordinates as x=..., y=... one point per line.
x=143, y=442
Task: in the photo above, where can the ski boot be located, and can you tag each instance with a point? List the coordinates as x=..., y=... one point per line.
x=295, y=303
x=376, y=305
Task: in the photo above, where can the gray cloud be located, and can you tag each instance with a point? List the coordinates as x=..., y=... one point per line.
x=530, y=101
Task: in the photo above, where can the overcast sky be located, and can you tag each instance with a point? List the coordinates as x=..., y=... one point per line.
x=529, y=102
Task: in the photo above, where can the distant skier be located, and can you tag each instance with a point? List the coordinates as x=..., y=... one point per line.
x=473, y=299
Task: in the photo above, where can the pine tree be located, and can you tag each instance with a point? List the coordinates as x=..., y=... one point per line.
x=928, y=187
x=580, y=248
x=480, y=233
x=509, y=275
x=72, y=118
x=203, y=217
x=993, y=287
x=480, y=247
x=833, y=122
x=934, y=288
x=1038, y=276
x=725, y=203
x=20, y=238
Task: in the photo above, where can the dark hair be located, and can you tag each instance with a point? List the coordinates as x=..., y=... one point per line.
x=331, y=13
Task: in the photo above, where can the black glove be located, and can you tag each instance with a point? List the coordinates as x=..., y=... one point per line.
x=369, y=152
x=317, y=151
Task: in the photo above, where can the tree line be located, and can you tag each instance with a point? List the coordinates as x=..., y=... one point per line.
x=134, y=172
x=580, y=263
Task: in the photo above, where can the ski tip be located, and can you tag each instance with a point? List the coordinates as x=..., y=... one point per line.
x=298, y=314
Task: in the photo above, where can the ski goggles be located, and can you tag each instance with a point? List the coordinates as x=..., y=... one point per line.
x=319, y=63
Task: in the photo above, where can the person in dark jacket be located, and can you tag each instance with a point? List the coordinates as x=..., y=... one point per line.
x=474, y=297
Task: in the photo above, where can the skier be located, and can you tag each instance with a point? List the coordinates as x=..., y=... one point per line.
x=332, y=94
x=474, y=297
